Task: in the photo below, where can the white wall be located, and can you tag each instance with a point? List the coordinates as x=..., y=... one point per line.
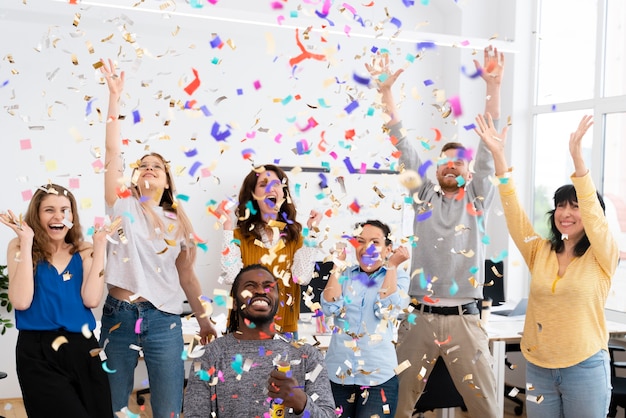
x=46, y=95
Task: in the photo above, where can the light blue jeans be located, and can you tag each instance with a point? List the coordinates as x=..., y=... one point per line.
x=161, y=340
x=582, y=390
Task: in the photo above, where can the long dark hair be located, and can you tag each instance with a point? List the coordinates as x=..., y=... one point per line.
x=567, y=194
x=41, y=240
x=252, y=224
x=233, y=315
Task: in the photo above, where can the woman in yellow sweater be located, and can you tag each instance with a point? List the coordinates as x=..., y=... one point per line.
x=565, y=336
x=267, y=233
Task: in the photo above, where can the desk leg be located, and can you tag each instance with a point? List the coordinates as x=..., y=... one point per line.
x=445, y=413
x=498, y=351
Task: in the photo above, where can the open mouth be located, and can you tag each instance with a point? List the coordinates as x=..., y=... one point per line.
x=259, y=303
x=56, y=227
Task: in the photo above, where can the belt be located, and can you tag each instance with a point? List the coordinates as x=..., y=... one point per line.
x=467, y=309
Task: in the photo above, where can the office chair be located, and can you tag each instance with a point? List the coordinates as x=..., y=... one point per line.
x=519, y=409
x=439, y=392
x=494, y=290
x=618, y=395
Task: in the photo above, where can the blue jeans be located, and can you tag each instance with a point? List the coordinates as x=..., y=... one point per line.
x=161, y=340
x=582, y=390
x=370, y=406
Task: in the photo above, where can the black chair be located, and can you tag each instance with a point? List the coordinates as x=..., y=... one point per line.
x=618, y=395
x=494, y=290
x=508, y=389
x=439, y=392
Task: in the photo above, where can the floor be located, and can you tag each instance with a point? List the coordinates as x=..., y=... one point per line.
x=14, y=408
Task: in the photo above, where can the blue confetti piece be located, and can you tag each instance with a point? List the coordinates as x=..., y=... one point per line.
x=136, y=116
x=361, y=80
x=423, y=216
x=219, y=136
x=191, y=153
x=428, y=82
x=411, y=318
x=205, y=110
x=194, y=168
x=422, y=170
x=323, y=181
x=426, y=45
x=469, y=127
x=215, y=42
x=396, y=22
x=351, y=107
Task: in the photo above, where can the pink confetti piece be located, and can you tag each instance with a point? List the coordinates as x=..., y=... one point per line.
x=74, y=183
x=257, y=84
x=27, y=195
x=138, y=326
x=455, y=104
x=25, y=144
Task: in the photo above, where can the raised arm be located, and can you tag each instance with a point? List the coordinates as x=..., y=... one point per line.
x=385, y=79
x=113, y=146
x=494, y=141
x=93, y=256
x=575, y=146
x=20, y=262
x=492, y=71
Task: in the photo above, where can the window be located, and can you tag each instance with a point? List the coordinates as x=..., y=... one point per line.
x=574, y=36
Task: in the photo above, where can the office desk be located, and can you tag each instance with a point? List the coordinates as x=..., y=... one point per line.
x=503, y=330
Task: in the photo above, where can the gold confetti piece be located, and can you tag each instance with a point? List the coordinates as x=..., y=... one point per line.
x=89, y=47
x=58, y=342
x=402, y=367
x=467, y=377
x=94, y=352
x=76, y=19
x=410, y=179
x=114, y=327
x=67, y=276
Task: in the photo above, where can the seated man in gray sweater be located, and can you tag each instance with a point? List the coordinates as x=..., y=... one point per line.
x=237, y=374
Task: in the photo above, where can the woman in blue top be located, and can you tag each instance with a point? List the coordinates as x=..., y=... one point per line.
x=54, y=280
x=364, y=300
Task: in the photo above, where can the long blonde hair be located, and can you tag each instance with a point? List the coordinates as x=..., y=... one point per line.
x=168, y=203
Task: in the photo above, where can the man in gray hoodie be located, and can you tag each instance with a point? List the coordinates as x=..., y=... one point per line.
x=448, y=261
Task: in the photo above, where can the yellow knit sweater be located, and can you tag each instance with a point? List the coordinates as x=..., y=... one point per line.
x=278, y=260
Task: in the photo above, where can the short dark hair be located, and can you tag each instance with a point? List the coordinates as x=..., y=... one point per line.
x=378, y=224
x=233, y=316
x=567, y=193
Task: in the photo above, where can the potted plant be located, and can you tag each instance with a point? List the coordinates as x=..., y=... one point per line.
x=5, y=303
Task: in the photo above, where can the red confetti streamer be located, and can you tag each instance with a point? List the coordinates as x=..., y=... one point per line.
x=304, y=53
x=191, y=87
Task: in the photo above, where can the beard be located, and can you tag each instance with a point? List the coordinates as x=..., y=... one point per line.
x=258, y=319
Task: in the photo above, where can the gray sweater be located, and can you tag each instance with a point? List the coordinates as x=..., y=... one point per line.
x=450, y=245
x=242, y=393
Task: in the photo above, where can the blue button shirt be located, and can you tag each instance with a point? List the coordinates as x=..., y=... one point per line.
x=361, y=351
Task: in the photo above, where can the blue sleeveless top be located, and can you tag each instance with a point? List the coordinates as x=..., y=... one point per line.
x=57, y=303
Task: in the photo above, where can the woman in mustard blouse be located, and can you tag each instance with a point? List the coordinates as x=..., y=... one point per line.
x=268, y=233
x=565, y=336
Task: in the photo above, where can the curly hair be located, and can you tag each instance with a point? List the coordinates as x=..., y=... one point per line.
x=41, y=240
x=253, y=224
x=233, y=315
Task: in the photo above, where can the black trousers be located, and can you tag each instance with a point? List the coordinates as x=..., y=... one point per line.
x=67, y=382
